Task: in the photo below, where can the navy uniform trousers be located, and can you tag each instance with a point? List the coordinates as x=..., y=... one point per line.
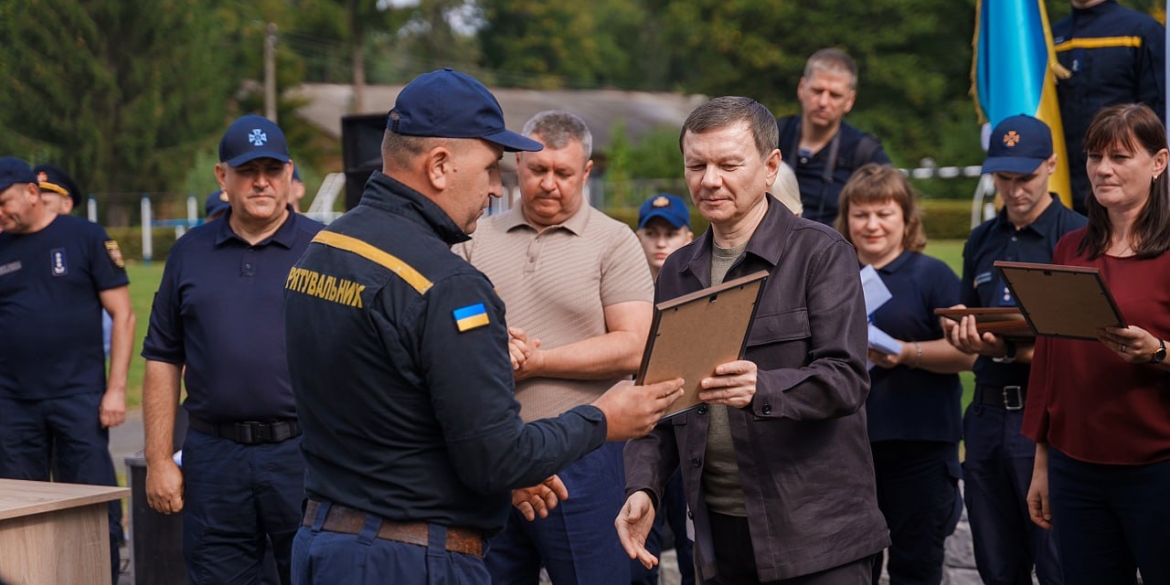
x=68, y=431
x=321, y=557
x=239, y=500
x=996, y=474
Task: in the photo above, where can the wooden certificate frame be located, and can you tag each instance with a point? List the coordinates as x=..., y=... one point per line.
x=1002, y=321
x=693, y=334
x=1062, y=301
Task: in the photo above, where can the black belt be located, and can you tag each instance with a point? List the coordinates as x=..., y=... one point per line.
x=1007, y=397
x=249, y=432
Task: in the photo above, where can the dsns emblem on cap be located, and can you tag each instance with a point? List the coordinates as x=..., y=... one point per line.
x=1011, y=139
x=257, y=137
x=660, y=201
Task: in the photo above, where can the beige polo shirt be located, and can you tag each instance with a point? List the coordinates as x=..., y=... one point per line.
x=555, y=284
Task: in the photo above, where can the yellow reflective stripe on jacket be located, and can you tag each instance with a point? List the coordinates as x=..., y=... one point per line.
x=1099, y=43
x=389, y=261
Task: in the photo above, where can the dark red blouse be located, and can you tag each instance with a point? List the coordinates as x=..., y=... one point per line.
x=1085, y=400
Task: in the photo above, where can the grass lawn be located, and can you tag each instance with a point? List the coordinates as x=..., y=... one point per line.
x=144, y=279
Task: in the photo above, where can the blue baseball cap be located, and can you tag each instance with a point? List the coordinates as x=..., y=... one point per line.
x=13, y=171
x=668, y=207
x=1019, y=144
x=252, y=137
x=450, y=104
x=54, y=179
x=217, y=202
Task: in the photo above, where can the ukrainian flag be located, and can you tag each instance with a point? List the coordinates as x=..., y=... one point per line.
x=470, y=317
x=1015, y=71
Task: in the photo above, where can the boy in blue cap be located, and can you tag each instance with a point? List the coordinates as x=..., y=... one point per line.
x=57, y=273
x=664, y=225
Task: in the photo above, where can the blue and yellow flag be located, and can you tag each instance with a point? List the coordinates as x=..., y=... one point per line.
x=470, y=317
x=1015, y=71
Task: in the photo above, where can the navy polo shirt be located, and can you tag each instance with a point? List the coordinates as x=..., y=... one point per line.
x=983, y=285
x=51, y=309
x=908, y=404
x=219, y=311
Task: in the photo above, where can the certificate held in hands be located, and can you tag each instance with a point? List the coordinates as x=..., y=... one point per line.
x=1062, y=301
x=695, y=333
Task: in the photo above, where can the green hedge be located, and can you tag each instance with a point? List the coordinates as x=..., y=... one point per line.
x=130, y=241
x=944, y=219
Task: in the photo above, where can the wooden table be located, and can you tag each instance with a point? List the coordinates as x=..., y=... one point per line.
x=54, y=533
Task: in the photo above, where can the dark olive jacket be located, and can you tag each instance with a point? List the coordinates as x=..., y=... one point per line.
x=801, y=445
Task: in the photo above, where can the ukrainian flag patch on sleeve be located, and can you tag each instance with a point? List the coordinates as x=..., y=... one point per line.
x=470, y=317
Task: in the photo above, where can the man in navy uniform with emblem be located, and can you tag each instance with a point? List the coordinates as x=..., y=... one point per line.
x=57, y=273
x=400, y=364
x=998, y=466
x=218, y=314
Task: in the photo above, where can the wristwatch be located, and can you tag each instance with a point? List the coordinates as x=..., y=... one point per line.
x=1159, y=354
x=1010, y=356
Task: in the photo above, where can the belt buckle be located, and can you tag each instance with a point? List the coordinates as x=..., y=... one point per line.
x=249, y=432
x=1008, y=393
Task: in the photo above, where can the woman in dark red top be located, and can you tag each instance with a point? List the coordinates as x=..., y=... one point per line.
x=1099, y=411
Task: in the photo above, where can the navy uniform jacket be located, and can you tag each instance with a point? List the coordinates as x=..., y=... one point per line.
x=51, y=310
x=820, y=200
x=400, y=368
x=984, y=286
x=1116, y=56
x=801, y=444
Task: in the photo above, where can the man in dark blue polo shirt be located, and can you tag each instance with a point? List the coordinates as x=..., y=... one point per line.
x=57, y=273
x=998, y=466
x=217, y=321
x=820, y=147
x=413, y=436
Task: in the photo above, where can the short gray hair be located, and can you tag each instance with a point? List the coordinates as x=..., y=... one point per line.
x=833, y=60
x=557, y=127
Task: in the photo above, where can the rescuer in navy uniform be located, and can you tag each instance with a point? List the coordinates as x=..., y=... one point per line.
x=399, y=358
x=217, y=321
x=57, y=273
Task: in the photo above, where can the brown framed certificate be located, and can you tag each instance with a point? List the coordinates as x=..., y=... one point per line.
x=1002, y=321
x=693, y=334
x=1062, y=301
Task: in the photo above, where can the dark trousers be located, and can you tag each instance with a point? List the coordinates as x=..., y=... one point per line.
x=673, y=512
x=918, y=493
x=66, y=430
x=1110, y=520
x=735, y=559
x=329, y=558
x=238, y=499
x=997, y=472
x=577, y=543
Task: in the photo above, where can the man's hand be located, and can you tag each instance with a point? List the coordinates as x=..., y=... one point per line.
x=734, y=384
x=527, y=357
x=632, y=411
x=965, y=336
x=633, y=525
x=539, y=499
x=164, y=486
x=112, y=411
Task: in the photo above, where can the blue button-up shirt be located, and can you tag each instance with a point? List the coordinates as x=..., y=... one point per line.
x=984, y=286
x=219, y=310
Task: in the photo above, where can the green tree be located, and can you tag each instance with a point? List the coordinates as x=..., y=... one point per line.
x=119, y=95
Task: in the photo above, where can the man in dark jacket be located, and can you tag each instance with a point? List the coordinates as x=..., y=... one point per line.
x=776, y=463
x=1115, y=56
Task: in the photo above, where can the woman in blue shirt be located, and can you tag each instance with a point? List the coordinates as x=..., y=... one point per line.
x=913, y=407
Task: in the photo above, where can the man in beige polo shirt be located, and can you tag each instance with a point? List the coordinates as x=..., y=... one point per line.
x=579, y=299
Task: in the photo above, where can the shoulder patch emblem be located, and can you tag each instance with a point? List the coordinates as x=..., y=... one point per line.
x=115, y=253
x=470, y=317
